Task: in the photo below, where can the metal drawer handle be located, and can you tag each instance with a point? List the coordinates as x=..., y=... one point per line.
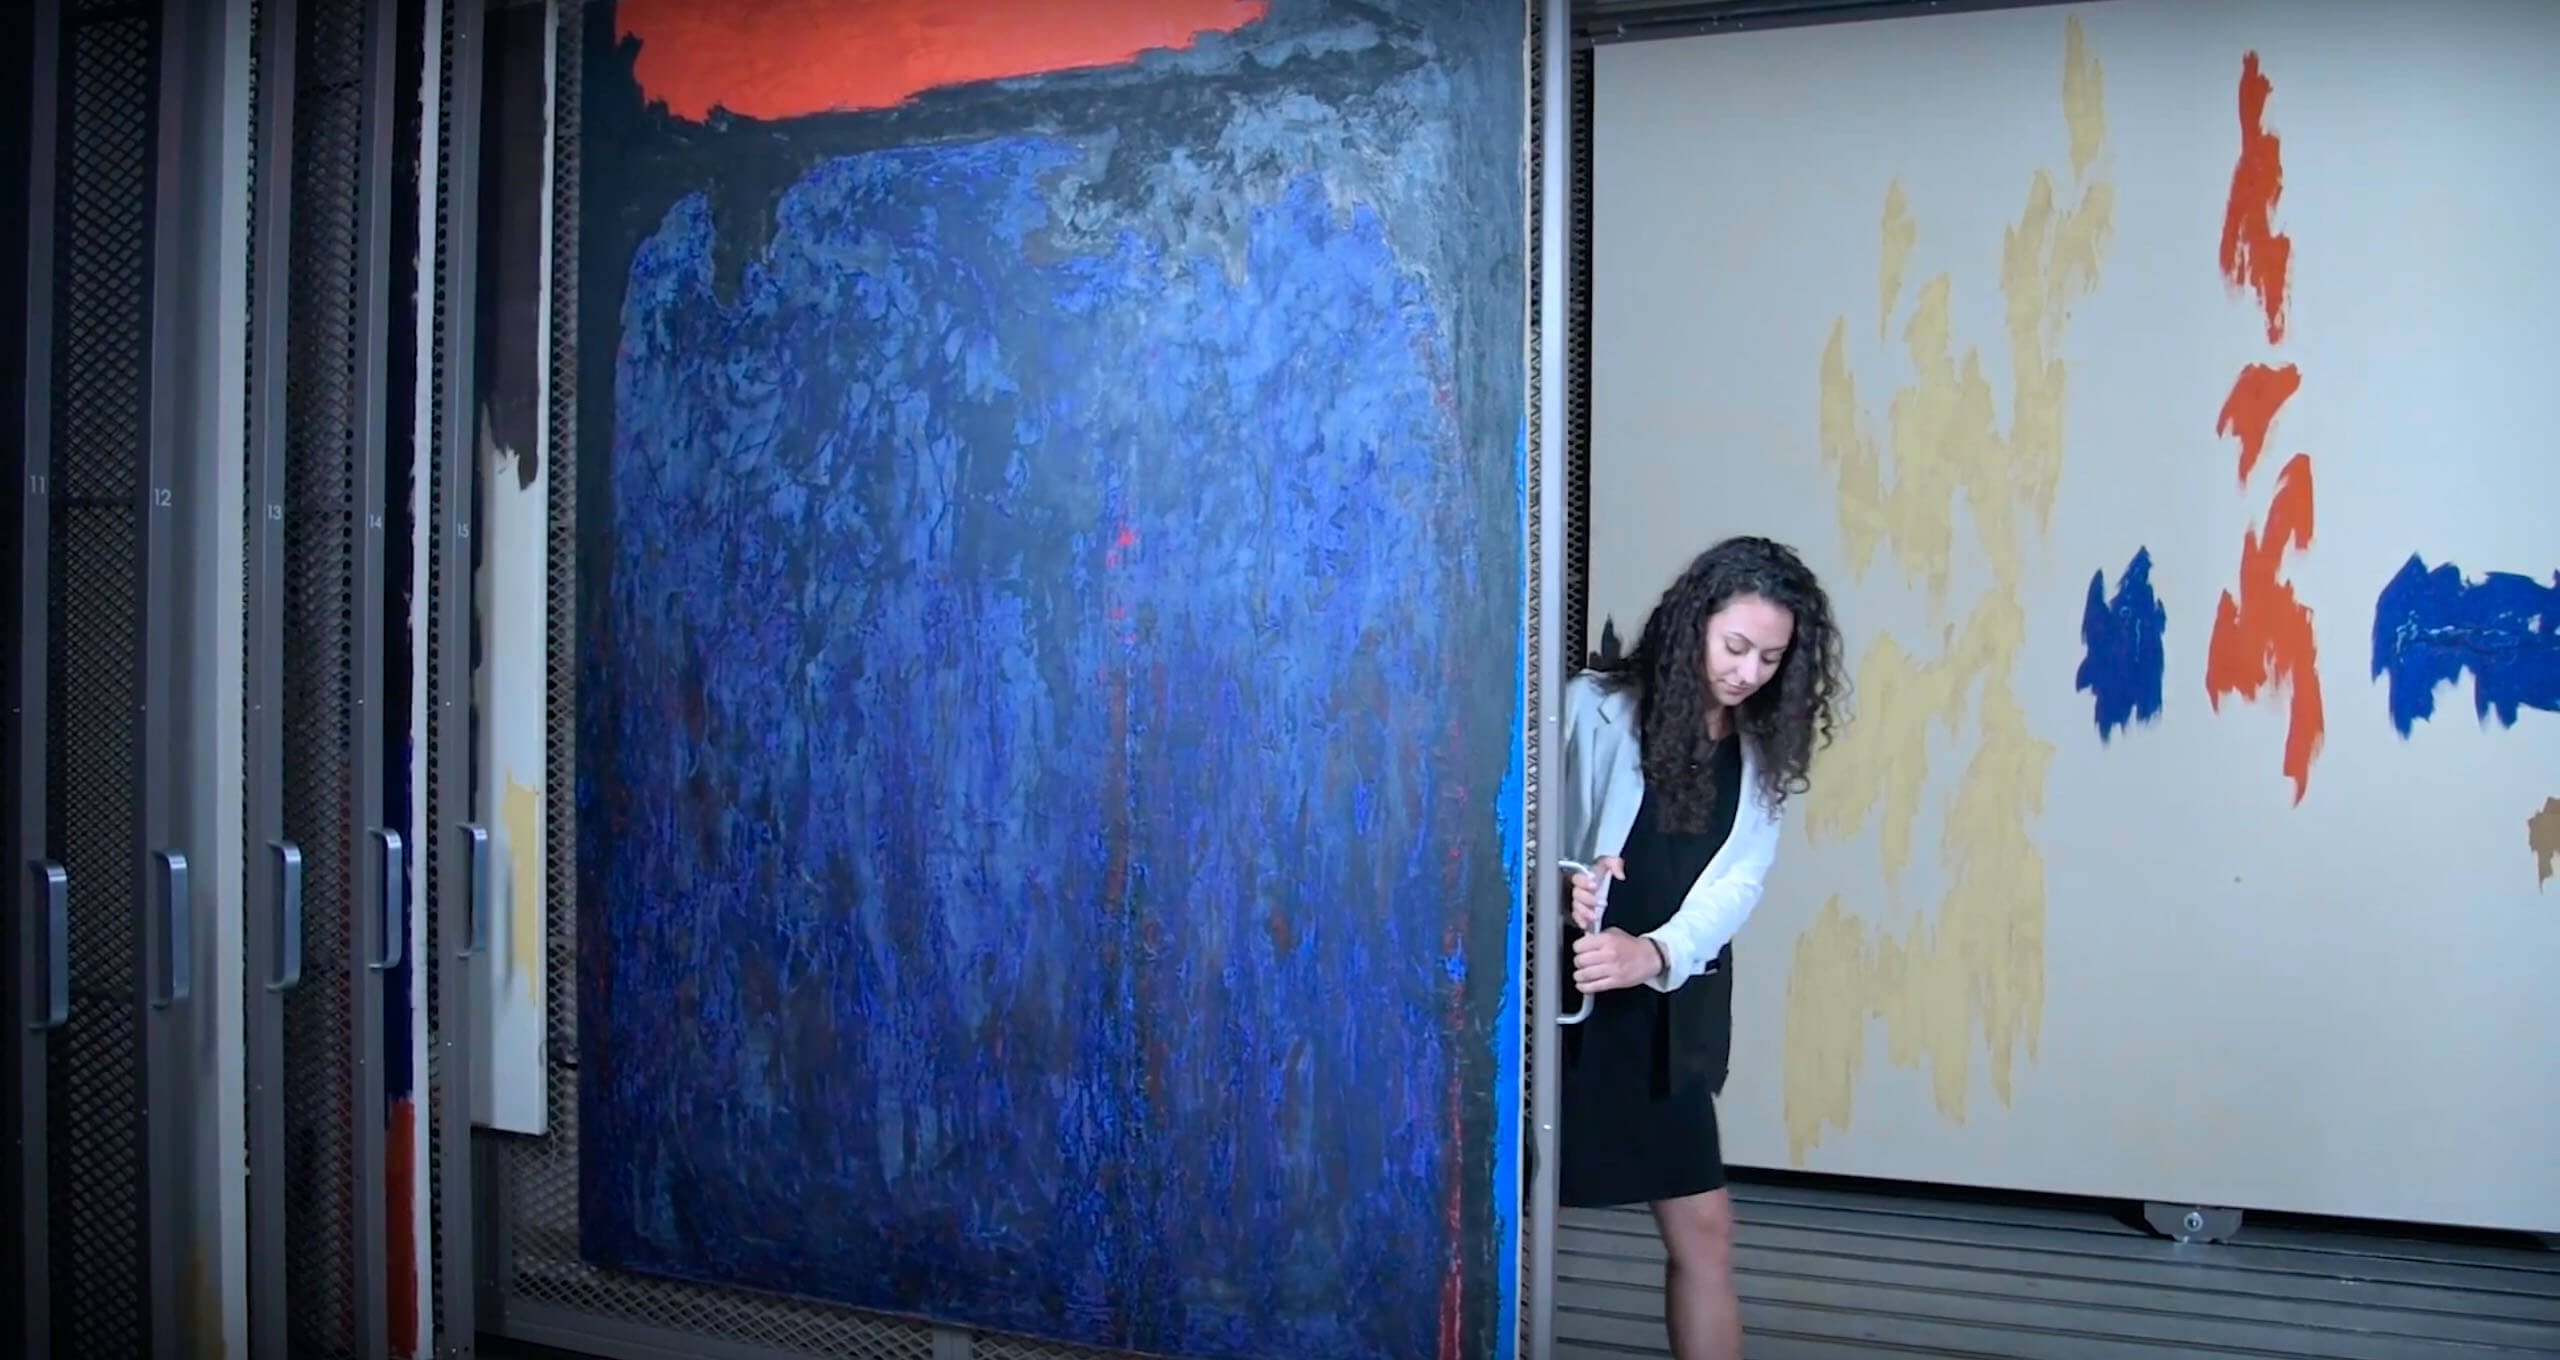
x=478, y=939
x=1575, y=867
x=288, y=916
x=177, y=930
x=393, y=937
x=54, y=885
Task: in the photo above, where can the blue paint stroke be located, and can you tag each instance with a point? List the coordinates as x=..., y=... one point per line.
x=2124, y=657
x=2429, y=626
x=1038, y=717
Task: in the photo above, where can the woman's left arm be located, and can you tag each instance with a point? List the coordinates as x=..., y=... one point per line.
x=1717, y=905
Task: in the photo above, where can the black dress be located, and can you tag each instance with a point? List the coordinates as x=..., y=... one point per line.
x=1640, y=1076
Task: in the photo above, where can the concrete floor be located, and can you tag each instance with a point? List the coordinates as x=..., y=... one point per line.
x=1847, y=1273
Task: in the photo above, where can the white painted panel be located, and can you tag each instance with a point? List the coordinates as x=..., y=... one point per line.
x=2133, y=966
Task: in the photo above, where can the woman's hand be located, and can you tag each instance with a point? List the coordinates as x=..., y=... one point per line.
x=1586, y=890
x=1613, y=959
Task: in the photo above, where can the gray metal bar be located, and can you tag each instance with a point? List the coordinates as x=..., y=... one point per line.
x=1696, y=18
x=272, y=924
x=1555, y=65
x=29, y=1250
x=369, y=1139
x=166, y=489
x=535, y=1323
x=462, y=885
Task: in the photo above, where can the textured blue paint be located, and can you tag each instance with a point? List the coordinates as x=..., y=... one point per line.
x=2429, y=626
x=1048, y=847
x=2123, y=657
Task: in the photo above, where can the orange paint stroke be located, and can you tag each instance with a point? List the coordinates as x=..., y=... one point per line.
x=2255, y=255
x=2250, y=411
x=786, y=58
x=2265, y=635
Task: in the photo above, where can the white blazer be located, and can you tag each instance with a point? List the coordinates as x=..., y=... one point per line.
x=1603, y=787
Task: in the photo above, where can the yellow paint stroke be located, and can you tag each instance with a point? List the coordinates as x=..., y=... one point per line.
x=1900, y=235
x=520, y=811
x=200, y=1306
x=2542, y=832
x=1977, y=965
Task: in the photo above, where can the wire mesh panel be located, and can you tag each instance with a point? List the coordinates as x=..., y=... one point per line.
x=1576, y=565
x=320, y=675
x=102, y=346
x=1531, y=1210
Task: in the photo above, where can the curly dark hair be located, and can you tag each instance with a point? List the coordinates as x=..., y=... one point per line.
x=1785, y=720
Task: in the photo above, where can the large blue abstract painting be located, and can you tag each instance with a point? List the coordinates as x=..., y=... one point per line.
x=1048, y=734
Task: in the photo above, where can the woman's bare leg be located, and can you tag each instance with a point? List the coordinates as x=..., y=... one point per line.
x=1698, y=1298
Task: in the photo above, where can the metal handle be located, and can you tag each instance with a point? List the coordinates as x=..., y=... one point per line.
x=477, y=838
x=1573, y=867
x=288, y=916
x=54, y=886
x=177, y=954
x=394, y=939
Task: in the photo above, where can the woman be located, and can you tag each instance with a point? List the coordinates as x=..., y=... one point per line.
x=1676, y=763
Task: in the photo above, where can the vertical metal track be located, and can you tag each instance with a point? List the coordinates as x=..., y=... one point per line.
x=1576, y=339
x=376, y=894
x=164, y=888
x=462, y=882
x=1555, y=86
x=273, y=907
x=36, y=928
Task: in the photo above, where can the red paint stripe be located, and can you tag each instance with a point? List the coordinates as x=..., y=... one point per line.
x=400, y=1166
x=788, y=58
x=1453, y=1279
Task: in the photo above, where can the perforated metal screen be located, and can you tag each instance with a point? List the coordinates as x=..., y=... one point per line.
x=441, y=670
x=1577, y=337
x=102, y=296
x=1530, y=936
x=320, y=711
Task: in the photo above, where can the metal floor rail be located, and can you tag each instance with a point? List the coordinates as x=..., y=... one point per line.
x=1850, y=1274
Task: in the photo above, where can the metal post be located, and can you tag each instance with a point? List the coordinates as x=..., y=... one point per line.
x=377, y=880
x=169, y=490
x=462, y=882
x=1555, y=66
x=35, y=926
x=273, y=924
